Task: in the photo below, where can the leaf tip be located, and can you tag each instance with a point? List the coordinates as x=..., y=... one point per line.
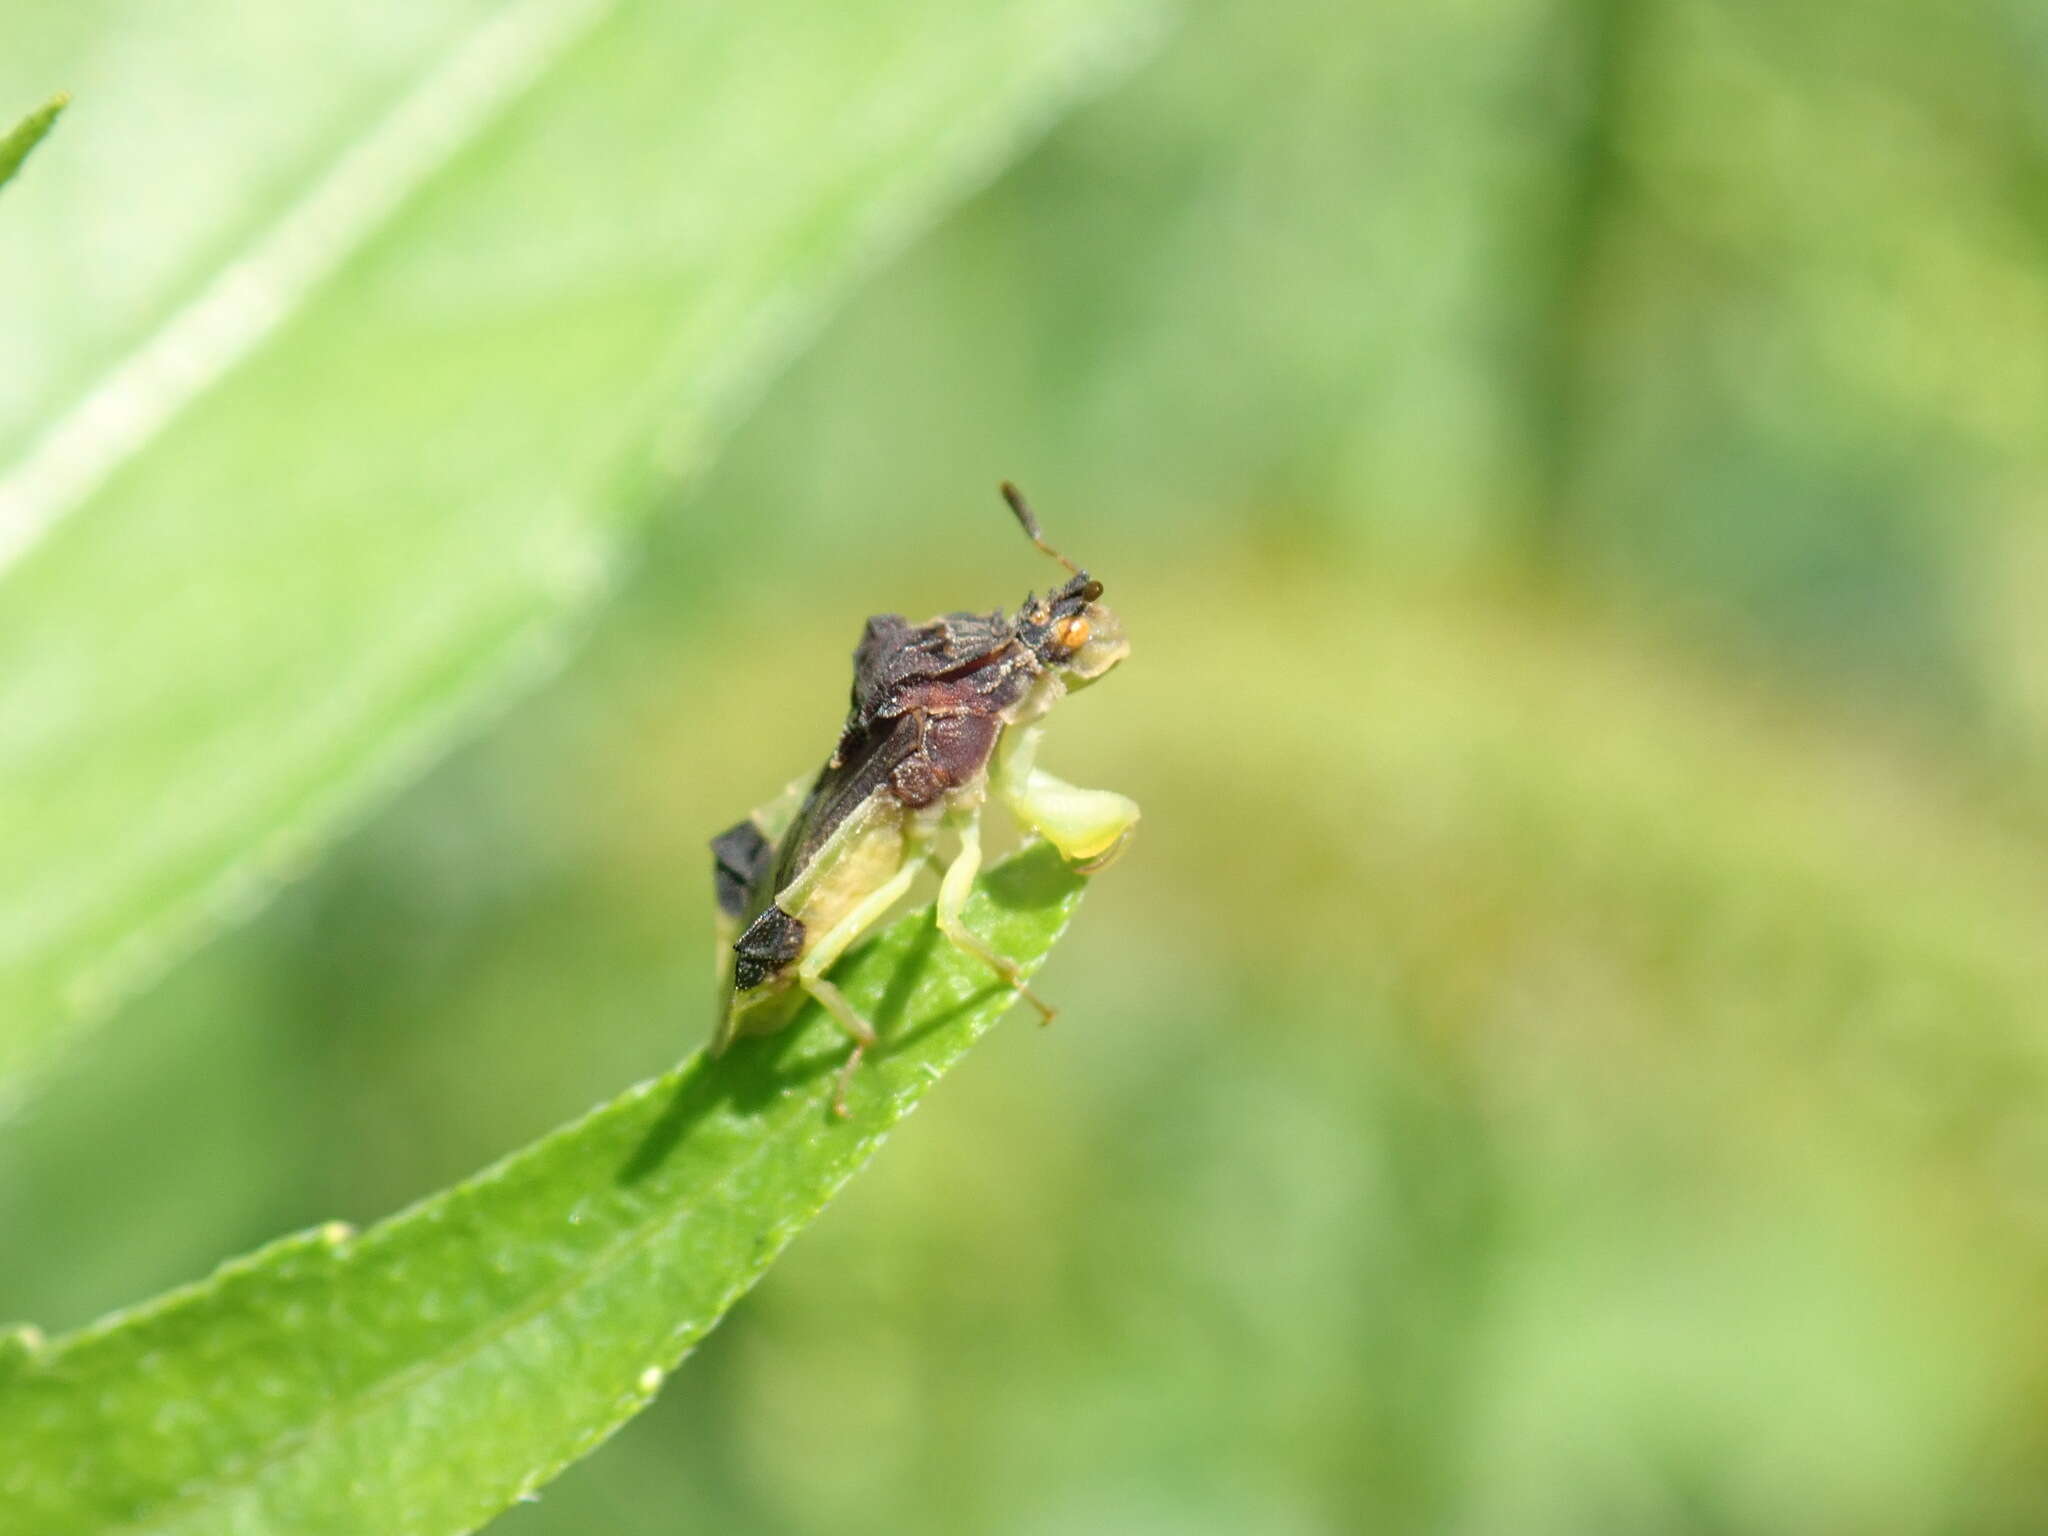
x=28, y=132
x=20, y=1344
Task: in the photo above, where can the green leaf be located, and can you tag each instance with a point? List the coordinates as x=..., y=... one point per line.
x=354, y=494
x=421, y=1377
x=27, y=134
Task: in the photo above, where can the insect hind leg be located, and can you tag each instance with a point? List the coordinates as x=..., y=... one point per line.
x=953, y=892
x=850, y=1019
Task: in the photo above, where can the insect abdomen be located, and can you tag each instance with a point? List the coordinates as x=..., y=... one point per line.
x=772, y=941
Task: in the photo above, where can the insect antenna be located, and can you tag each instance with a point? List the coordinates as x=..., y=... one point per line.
x=1029, y=522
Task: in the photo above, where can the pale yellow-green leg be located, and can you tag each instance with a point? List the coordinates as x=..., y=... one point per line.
x=810, y=972
x=953, y=893
x=1088, y=826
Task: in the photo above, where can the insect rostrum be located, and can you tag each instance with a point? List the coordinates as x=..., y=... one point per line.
x=942, y=715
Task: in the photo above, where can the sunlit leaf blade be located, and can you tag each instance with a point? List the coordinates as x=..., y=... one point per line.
x=358, y=501
x=27, y=134
x=416, y=1379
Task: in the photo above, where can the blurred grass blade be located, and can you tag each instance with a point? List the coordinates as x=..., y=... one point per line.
x=418, y=1379
x=27, y=134
x=351, y=496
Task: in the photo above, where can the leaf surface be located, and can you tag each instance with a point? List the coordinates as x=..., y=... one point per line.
x=417, y=1379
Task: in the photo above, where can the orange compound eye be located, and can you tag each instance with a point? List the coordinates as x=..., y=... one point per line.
x=1073, y=633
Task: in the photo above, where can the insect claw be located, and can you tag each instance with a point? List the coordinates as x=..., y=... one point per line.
x=846, y=1072
x=1046, y=1012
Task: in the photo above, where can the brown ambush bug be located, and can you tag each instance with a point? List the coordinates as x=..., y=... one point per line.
x=942, y=713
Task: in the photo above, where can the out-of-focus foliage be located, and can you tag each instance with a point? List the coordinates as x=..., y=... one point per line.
x=1566, y=1048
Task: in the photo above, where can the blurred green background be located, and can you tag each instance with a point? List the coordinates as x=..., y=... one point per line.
x=1566, y=1050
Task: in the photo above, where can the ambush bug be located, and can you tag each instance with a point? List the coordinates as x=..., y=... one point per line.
x=942, y=715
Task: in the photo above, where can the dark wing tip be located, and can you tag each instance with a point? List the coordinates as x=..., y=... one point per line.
x=738, y=855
